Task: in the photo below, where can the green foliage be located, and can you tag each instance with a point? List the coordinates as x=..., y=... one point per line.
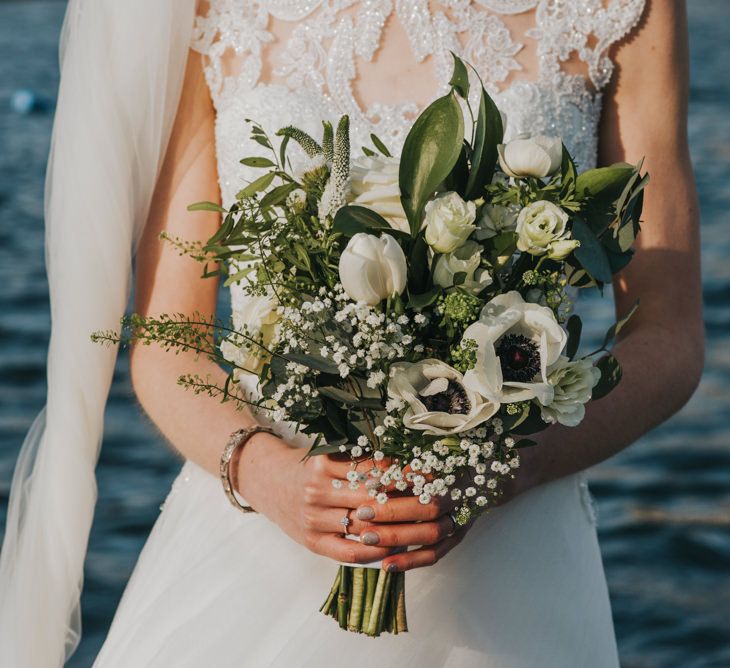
x=430, y=152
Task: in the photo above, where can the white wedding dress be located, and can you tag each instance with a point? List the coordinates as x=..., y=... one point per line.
x=526, y=588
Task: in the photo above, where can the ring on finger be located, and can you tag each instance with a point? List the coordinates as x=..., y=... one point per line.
x=346, y=521
x=454, y=522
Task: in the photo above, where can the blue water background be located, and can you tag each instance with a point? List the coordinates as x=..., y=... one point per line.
x=664, y=504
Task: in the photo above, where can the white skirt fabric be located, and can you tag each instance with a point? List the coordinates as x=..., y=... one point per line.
x=216, y=587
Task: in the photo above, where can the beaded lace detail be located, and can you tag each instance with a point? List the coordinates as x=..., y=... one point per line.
x=317, y=65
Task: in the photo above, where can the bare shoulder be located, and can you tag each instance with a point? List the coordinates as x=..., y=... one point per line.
x=646, y=101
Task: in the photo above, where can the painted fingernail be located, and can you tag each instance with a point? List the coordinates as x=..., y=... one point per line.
x=365, y=513
x=370, y=538
x=392, y=568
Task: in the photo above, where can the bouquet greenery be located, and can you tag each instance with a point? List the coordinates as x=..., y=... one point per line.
x=413, y=313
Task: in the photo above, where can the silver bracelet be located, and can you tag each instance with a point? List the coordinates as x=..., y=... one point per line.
x=238, y=439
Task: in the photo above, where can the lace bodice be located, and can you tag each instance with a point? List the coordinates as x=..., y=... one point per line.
x=311, y=74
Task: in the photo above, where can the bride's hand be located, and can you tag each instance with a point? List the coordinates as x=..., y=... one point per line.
x=299, y=496
x=399, y=522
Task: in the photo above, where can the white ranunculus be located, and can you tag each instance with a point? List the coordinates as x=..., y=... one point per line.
x=494, y=220
x=542, y=229
x=374, y=184
x=449, y=221
x=372, y=268
x=437, y=401
x=573, y=383
x=516, y=343
x=257, y=317
x=537, y=156
x=465, y=259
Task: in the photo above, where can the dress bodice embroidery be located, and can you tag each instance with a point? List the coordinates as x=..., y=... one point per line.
x=317, y=65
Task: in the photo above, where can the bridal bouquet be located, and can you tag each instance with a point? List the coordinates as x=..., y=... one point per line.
x=413, y=313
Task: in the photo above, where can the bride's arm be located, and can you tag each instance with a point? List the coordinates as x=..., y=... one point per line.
x=662, y=349
x=298, y=496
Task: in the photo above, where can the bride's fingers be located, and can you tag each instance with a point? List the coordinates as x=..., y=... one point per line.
x=346, y=550
x=330, y=520
x=404, y=509
x=423, y=556
x=414, y=533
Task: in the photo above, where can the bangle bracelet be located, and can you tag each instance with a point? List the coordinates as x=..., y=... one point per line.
x=238, y=439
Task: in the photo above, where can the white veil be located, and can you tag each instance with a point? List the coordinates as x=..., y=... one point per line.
x=122, y=67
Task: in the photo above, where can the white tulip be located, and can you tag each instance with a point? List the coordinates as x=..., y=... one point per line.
x=573, y=383
x=374, y=183
x=438, y=403
x=516, y=343
x=372, y=268
x=449, y=221
x=537, y=156
x=542, y=229
x=465, y=259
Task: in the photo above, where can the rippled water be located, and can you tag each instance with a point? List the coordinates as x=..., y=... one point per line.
x=664, y=504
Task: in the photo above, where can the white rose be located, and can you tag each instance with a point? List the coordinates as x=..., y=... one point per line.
x=494, y=220
x=516, y=343
x=449, y=221
x=438, y=403
x=537, y=156
x=465, y=259
x=573, y=383
x=257, y=318
x=374, y=183
x=541, y=229
x=372, y=268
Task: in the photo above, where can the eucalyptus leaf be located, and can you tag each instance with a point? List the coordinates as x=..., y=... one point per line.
x=430, y=152
x=313, y=362
x=591, y=253
x=261, y=183
x=257, y=162
x=615, y=329
x=574, y=326
x=605, y=183
x=206, y=206
x=610, y=376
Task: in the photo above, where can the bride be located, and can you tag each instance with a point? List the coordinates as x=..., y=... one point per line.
x=151, y=117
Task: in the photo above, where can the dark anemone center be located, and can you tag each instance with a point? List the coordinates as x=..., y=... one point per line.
x=519, y=358
x=452, y=400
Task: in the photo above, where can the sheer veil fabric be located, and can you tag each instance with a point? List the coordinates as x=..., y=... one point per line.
x=122, y=67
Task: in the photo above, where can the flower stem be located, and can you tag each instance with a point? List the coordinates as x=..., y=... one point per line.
x=356, y=599
x=401, y=622
x=343, y=596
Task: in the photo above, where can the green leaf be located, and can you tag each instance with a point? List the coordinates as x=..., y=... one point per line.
x=257, y=162
x=206, y=206
x=591, y=253
x=525, y=443
x=282, y=150
x=351, y=219
x=430, y=152
x=574, y=327
x=504, y=243
x=615, y=329
x=419, y=273
x=610, y=376
x=457, y=178
x=424, y=299
x=380, y=145
x=489, y=133
x=532, y=424
x=460, y=77
x=568, y=174
x=313, y=362
x=605, y=183
x=261, y=183
x=368, y=152
x=277, y=195
x=338, y=395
